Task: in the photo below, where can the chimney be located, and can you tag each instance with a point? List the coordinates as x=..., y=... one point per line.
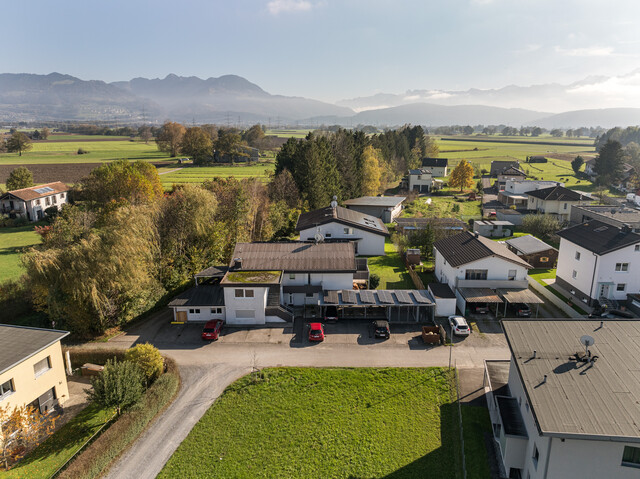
x=535, y=353
x=544, y=380
x=237, y=263
x=626, y=228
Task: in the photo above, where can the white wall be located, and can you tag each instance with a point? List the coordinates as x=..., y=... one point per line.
x=522, y=186
x=420, y=180
x=561, y=208
x=370, y=244
x=34, y=206
x=204, y=314
x=438, y=171
x=235, y=306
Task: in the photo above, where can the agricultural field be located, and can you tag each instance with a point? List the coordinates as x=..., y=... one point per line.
x=364, y=422
x=12, y=242
x=198, y=174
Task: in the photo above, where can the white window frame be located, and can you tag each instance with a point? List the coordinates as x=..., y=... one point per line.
x=577, y=256
x=624, y=287
x=622, y=267
x=5, y=394
x=39, y=372
x=574, y=275
x=348, y=231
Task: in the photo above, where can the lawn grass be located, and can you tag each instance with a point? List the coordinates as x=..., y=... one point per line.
x=49, y=456
x=12, y=242
x=198, y=174
x=391, y=269
x=476, y=423
x=443, y=207
x=339, y=423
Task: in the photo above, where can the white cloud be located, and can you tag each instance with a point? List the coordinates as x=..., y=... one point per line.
x=585, y=52
x=278, y=6
x=616, y=91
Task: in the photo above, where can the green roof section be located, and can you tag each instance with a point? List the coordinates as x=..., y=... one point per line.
x=252, y=277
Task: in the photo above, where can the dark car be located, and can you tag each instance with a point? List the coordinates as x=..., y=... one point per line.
x=331, y=314
x=212, y=330
x=381, y=329
x=316, y=332
x=522, y=310
x=479, y=308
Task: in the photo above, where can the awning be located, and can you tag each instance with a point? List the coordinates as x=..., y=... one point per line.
x=522, y=295
x=479, y=295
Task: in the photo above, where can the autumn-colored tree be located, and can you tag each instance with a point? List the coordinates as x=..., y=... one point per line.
x=197, y=144
x=462, y=175
x=44, y=133
x=370, y=171
x=21, y=429
x=148, y=359
x=145, y=133
x=18, y=142
x=169, y=138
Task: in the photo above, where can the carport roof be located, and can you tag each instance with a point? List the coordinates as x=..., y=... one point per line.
x=519, y=295
x=377, y=297
x=479, y=295
x=203, y=295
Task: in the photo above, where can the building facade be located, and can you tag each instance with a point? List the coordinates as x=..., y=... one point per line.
x=31, y=203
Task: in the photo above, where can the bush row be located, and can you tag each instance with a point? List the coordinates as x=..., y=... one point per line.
x=100, y=455
x=80, y=356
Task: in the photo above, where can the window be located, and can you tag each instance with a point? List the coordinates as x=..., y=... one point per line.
x=577, y=255
x=47, y=201
x=621, y=287
x=512, y=274
x=62, y=196
x=42, y=366
x=637, y=247
x=631, y=456
x=536, y=456
x=6, y=389
x=574, y=275
x=623, y=267
x=475, y=274
x=292, y=276
x=194, y=311
x=248, y=293
x=328, y=235
x=565, y=206
x=348, y=231
x=216, y=310
x=239, y=293
x=53, y=198
x=37, y=202
x=544, y=259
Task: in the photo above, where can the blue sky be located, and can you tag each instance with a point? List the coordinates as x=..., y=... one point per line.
x=327, y=49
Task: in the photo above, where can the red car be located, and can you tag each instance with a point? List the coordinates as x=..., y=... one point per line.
x=316, y=332
x=212, y=330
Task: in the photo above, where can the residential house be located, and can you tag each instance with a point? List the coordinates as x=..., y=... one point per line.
x=477, y=268
x=438, y=166
x=409, y=225
x=556, y=200
x=32, y=371
x=32, y=202
x=563, y=410
x=387, y=208
x=335, y=223
x=628, y=182
x=493, y=228
x=498, y=167
x=514, y=191
x=534, y=251
x=598, y=261
x=612, y=215
x=589, y=168
x=511, y=173
x=422, y=180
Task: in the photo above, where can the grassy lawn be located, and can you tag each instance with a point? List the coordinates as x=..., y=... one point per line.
x=475, y=425
x=198, y=174
x=49, y=456
x=12, y=242
x=292, y=422
x=443, y=207
x=391, y=269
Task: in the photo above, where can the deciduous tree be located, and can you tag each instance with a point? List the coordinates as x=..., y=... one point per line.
x=169, y=138
x=370, y=171
x=462, y=175
x=21, y=428
x=148, y=359
x=541, y=226
x=20, y=177
x=44, y=133
x=18, y=142
x=197, y=145
x=119, y=386
x=134, y=182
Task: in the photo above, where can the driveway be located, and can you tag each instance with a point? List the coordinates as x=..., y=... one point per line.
x=207, y=368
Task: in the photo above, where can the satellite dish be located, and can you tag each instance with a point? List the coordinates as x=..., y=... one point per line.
x=318, y=237
x=587, y=340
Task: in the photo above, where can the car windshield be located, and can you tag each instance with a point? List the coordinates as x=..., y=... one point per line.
x=463, y=326
x=208, y=330
x=315, y=331
x=381, y=329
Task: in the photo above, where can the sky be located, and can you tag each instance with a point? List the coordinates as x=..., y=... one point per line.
x=330, y=49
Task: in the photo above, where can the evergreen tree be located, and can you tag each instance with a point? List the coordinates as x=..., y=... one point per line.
x=609, y=162
x=577, y=163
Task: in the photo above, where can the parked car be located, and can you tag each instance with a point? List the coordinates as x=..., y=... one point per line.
x=459, y=326
x=522, y=310
x=331, y=314
x=316, y=332
x=212, y=329
x=479, y=308
x=381, y=329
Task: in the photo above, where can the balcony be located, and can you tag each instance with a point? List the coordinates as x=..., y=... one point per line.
x=491, y=283
x=362, y=270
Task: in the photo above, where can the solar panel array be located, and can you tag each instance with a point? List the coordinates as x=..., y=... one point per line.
x=403, y=297
x=349, y=296
x=367, y=297
x=45, y=189
x=331, y=297
x=420, y=297
x=385, y=297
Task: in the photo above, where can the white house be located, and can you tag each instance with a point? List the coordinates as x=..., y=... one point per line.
x=387, y=208
x=556, y=200
x=32, y=202
x=336, y=223
x=560, y=411
x=437, y=166
x=422, y=180
x=598, y=261
x=475, y=268
x=514, y=190
x=511, y=173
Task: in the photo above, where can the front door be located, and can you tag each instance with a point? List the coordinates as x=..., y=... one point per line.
x=604, y=291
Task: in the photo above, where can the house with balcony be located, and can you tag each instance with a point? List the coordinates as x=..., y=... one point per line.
x=599, y=261
x=478, y=269
x=556, y=200
x=32, y=371
x=562, y=410
x=31, y=203
x=513, y=193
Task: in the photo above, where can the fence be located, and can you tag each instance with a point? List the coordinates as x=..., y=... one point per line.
x=553, y=299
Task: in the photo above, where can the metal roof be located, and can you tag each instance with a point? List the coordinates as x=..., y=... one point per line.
x=390, y=201
x=297, y=257
x=466, y=247
x=377, y=297
x=343, y=216
x=599, y=237
x=441, y=290
x=435, y=162
x=479, y=295
x=202, y=295
x=519, y=295
x=528, y=244
x=18, y=343
x=598, y=401
x=557, y=193
x=212, y=272
x=621, y=214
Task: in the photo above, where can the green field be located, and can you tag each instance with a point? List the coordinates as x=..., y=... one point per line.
x=12, y=242
x=198, y=174
x=339, y=423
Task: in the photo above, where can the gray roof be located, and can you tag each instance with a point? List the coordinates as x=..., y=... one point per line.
x=18, y=343
x=297, y=257
x=443, y=223
x=557, y=193
x=597, y=401
x=466, y=247
x=441, y=290
x=528, y=244
x=420, y=171
x=435, y=162
x=213, y=272
x=389, y=201
x=343, y=216
x=202, y=295
x=621, y=214
x=598, y=237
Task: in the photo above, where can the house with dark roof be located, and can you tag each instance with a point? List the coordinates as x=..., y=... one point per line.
x=387, y=208
x=499, y=166
x=598, y=261
x=335, y=223
x=534, y=251
x=421, y=180
x=560, y=409
x=438, y=166
x=475, y=268
x=589, y=168
x=613, y=215
x=32, y=370
x=555, y=200
x=511, y=173
x=31, y=203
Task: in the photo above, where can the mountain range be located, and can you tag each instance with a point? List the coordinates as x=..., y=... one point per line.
x=232, y=99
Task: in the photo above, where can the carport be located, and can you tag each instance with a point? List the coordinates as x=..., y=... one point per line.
x=519, y=295
x=476, y=295
x=406, y=305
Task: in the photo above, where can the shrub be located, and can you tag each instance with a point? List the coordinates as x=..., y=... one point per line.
x=148, y=358
x=82, y=151
x=80, y=356
x=119, y=386
x=374, y=281
x=51, y=212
